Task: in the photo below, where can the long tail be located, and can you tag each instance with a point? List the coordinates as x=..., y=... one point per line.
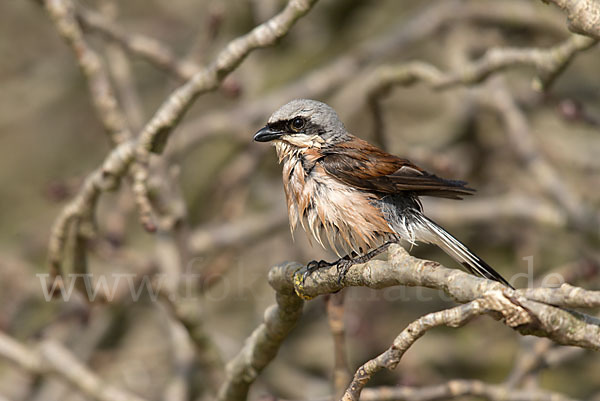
x=433, y=233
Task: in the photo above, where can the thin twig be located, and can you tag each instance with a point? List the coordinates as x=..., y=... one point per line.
x=120, y=69
x=250, y=228
x=146, y=47
x=325, y=79
x=52, y=358
x=549, y=63
x=101, y=91
x=79, y=212
x=497, y=97
x=335, y=318
x=460, y=388
x=493, y=301
x=510, y=207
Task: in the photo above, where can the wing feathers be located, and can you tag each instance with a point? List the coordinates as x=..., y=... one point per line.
x=361, y=165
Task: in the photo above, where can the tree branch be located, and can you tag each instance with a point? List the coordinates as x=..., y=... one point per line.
x=497, y=97
x=521, y=310
x=335, y=318
x=146, y=47
x=262, y=345
x=420, y=25
x=154, y=136
x=460, y=388
x=493, y=301
x=548, y=62
x=583, y=16
x=52, y=358
x=560, y=325
x=101, y=91
x=132, y=157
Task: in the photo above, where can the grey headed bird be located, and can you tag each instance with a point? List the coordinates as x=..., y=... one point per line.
x=356, y=196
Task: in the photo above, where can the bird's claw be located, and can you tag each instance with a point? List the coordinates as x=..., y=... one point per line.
x=313, y=266
x=342, y=267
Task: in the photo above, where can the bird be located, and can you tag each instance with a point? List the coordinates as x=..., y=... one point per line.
x=358, y=197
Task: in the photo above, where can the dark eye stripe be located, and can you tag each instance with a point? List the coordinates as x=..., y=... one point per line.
x=287, y=125
x=280, y=126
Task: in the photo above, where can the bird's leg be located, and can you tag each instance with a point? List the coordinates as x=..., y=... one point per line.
x=344, y=264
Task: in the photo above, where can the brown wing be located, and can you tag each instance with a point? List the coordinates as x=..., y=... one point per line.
x=359, y=164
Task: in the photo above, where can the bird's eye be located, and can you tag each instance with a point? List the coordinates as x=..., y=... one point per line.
x=297, y=124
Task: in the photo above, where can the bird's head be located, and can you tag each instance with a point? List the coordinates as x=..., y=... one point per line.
x=303, y=123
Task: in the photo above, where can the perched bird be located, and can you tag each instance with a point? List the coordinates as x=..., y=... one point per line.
x=360, y=198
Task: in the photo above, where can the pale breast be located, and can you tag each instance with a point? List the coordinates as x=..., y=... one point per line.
x=347, y=217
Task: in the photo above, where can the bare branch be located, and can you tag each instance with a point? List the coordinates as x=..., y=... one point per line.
x=120, y=69
x=460, y=388
x=52, y=358
x=493, y=301
x=262, y=345
x=497, y=97
x=335, y=318
x=253, y=227
x=132, y=157
x=101, y=91
x=583, y=16
x=146, y=47
x=82, y=206
x=549, y=63
x=479, y=296
x=423, y=23
x=565, y=295
x=560, y=325
x=154, y=136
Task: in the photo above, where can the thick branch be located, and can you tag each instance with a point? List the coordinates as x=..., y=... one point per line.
x=480, y=296
x=560, y=325
x=566, y=294
x=583, y=16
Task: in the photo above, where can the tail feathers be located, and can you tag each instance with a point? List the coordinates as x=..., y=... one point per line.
x=458, y=251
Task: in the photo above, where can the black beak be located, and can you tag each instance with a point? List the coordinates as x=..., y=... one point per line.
x=266, y=134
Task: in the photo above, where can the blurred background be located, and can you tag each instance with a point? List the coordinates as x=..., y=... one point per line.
x=222, y=221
